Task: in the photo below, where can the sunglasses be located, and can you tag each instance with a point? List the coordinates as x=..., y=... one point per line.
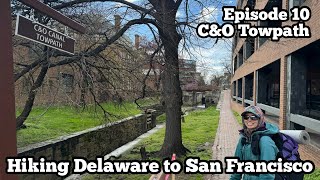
x=251, y=117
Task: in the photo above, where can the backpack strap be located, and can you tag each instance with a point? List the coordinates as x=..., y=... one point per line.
x=254, y=144
x=255, y=147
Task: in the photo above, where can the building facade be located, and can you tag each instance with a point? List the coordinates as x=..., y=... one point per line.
x=281, y=77
x=194, y=88
x=113, y=75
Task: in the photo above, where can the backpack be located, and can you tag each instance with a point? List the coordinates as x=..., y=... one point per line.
x=288, y=151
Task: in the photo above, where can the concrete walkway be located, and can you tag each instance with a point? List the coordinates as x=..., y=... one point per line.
x=227, y=134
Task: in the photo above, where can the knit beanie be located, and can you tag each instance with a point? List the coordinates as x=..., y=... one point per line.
x=257, y=112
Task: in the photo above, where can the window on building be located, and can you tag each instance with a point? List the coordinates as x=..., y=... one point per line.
x=186, y=99
x=275, y=94
x=234, y=88
x=235, y=42
x=249, y=47
x=240, y=88
x=235, y=64
x=293, y=3
x=240, y=57
x=67, y=82
x=249, y=87
x=313, y=94
x=251, y=3
x=50, y=83
x=315, y=87
x=269, y=84
x=262, y=40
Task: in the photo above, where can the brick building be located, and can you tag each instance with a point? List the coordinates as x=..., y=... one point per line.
x=153, y=64
x=283, y=77
x=192, y=84
x=66, y=84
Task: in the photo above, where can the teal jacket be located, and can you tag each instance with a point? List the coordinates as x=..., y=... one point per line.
x=268, y=151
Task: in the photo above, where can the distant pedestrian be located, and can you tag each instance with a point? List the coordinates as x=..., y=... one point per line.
x=203, y=100
x=254, y=126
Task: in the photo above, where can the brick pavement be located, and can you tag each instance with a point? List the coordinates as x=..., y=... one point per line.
x=227, y=137
x=227, y=134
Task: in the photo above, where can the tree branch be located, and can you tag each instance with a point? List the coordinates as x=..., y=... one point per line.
x=27, y=69
x=147, y=75
x=103, y=46
x=75, y=2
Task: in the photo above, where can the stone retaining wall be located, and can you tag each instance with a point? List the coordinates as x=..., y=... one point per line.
x=88, y=144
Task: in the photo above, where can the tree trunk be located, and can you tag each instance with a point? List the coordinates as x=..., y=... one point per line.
x=172, y=93
x=32, y=94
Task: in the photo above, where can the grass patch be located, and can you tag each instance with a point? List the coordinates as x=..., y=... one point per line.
x=313, y=176
x=148, y=101
x=198, y=133
x=238, y=117
x=49, y=123
x=161, y=119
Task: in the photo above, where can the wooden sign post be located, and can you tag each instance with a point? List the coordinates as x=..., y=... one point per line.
x=8, y=141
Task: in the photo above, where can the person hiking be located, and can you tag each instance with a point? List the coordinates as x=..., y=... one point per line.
x=254, y=126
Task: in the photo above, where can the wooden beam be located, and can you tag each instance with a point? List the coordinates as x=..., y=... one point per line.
x=8, y=141
x=43, y=8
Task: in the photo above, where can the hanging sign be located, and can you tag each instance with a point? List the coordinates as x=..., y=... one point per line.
x=39, y=33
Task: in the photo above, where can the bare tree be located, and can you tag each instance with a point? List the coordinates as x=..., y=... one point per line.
x=162, y=19
x=226, y=64
x=101, y=62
